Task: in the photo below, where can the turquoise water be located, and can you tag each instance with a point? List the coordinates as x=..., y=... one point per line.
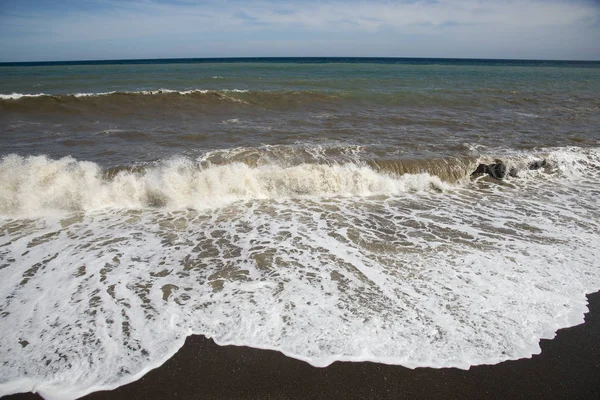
x=358, y=75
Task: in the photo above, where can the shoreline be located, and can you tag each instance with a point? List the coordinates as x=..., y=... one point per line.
x=568, y=367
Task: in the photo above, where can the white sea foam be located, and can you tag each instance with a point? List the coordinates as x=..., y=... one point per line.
x=231, y=121
x=528, y=115
x=34, y=185
x=93, y=94
x=190, y=91
x=473, y=275
x=17, y=96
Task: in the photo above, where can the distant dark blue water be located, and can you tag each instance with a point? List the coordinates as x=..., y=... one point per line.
x=323, y=60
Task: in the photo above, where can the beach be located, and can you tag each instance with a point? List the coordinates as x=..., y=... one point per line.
x=347, y=227
x=568, y=367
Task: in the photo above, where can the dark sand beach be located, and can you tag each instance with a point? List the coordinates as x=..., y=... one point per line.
x=567, y=368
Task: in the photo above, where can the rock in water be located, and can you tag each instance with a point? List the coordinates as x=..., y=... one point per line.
x=497, y=170
x=534, y=165
x=481, y=169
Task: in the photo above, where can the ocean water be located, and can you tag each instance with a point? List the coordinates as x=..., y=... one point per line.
x=324, y=208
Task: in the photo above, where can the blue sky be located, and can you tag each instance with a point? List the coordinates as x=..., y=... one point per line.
x=40, y=30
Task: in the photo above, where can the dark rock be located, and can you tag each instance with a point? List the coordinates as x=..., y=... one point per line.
x=481, y=169
x=534, y=165
x=497, y=170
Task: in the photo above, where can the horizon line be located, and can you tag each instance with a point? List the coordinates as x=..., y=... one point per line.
x=232, y=58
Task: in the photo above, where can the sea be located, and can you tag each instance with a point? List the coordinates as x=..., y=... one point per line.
x=331, y=209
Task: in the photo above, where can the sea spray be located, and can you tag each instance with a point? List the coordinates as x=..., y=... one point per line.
x=33, y=185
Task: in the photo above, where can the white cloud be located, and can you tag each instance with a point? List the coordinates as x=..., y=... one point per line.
x=372, y=15
x=466, y=24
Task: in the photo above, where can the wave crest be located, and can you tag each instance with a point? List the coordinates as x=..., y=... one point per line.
x=34, y=185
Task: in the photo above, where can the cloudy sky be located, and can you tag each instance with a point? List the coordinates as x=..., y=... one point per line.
x=36, y=30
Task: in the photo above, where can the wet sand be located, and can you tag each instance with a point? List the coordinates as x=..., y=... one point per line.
x=568, y=367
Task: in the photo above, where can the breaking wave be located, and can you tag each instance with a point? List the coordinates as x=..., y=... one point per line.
x=33, y=185
x=73, y=102
x=37, y=184
x=260, y=98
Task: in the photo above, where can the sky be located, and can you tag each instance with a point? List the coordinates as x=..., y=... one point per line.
x=57, y=30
